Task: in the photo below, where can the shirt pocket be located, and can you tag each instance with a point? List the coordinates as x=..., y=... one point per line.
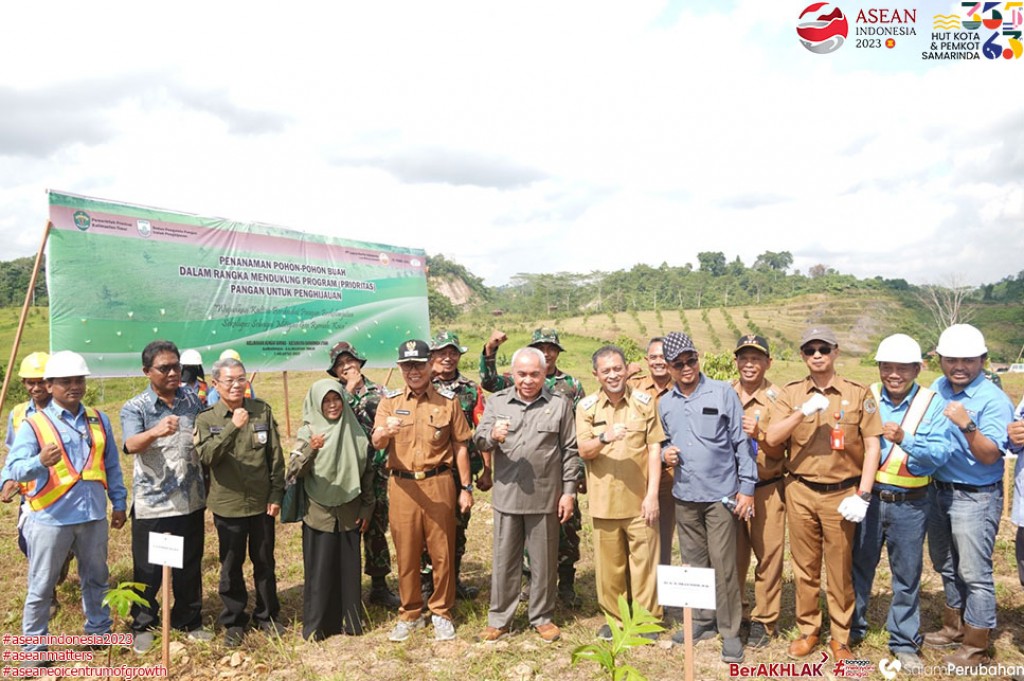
x=440, y=434
x=260, y=435
x=709, y=423
x=547, y=434
x=636, y=433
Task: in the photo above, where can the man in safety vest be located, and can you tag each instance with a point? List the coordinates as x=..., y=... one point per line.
x=192, y=375
x=67, y=456
x=916, y=440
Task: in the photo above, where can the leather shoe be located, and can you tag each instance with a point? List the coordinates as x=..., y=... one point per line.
x=840, y=651
x=803, y=646
x=549, y=633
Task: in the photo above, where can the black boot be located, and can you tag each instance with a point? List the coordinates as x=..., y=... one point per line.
x=463, y=591
x=567, y=587
x=381, y=595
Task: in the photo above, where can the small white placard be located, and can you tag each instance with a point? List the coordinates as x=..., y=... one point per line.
x=166, y=549
x=686, y=587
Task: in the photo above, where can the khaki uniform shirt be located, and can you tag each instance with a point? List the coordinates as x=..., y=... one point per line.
x=617, y=478
x=432, y=424
x=645, y=383
x=246, y=465
x=538, y=461
x=761, y=402
x=810, y=449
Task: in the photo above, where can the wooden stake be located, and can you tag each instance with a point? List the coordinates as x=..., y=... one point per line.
x=387, y=379
x=287, y=408
x=688, y=647
x=24, y=314
x=165, y=617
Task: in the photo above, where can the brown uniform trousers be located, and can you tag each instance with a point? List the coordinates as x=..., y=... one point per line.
x=421, y=511
x=765, y=533
x=666, y=502
x=816, y=529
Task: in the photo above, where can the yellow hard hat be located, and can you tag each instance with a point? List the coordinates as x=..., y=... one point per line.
x=34, y=365
x=232, y=354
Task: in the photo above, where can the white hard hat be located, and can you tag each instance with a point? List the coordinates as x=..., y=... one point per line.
x=191, y=358
x=899, y=348
x=232, y=354
x=65, y=364
x=961, y=340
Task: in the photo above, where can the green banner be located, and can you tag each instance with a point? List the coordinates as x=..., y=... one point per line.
x=120, y=276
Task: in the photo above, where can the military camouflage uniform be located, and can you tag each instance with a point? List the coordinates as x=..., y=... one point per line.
x=376, y=555
x=569, y=532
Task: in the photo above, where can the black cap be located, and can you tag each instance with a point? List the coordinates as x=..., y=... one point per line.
x=413, y=351
x=752, y=341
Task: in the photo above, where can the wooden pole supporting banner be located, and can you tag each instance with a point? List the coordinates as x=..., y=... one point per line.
x=165, y=617
x=24, y=314
x=287, y=408
x=688, y=647
x=387, y=379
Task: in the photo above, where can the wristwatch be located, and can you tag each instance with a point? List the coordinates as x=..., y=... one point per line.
x=601, y=438
x=468, y=488
x=866, y=496
x=970, y=427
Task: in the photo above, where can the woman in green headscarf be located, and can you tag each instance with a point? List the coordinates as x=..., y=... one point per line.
x=331, y=461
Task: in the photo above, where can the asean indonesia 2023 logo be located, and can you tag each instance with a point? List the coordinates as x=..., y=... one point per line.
x=822, y=28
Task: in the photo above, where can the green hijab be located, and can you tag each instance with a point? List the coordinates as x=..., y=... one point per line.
x=338, y=467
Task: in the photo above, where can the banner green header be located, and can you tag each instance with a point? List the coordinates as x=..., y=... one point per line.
x=120, y=276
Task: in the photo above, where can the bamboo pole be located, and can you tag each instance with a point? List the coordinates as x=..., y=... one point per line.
x=24, y=315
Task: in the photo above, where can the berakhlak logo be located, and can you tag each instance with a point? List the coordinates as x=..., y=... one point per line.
x=822, y=28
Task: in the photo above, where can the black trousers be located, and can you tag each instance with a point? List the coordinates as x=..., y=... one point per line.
x=186, y=582
x=331, y=594
x=236, y=534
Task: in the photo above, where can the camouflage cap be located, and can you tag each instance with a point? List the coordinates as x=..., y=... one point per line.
x=675, y=344
x=344, y=348
x=445, y=338
x=546, y=335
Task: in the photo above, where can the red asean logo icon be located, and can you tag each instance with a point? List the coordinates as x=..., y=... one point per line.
x=822, y=28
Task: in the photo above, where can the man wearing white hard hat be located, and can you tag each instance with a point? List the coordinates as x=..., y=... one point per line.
x=214, y=397
x=67, y=456
x=967, y=496
x=192, y=375
x=916, y=440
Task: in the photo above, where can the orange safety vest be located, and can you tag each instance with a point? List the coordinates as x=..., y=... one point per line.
x=18, y=415
x=201, y=390
x=894, y=470
x=63, y=475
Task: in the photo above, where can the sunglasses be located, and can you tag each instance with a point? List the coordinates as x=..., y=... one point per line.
x=823, y=349
x=679, y=364
x=168, y=368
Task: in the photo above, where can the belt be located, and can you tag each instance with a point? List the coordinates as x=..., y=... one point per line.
x=950, y=486
x=891, y=497
x=421, y=475
x=829, y=487
x=765, y=483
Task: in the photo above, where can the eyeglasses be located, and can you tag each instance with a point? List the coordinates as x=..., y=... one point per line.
x=168, y=368
x=679, y=364
x=241, y=380
x=823, y=349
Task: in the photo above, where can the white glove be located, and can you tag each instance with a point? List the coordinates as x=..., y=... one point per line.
x=853, y=508
x=812, y=406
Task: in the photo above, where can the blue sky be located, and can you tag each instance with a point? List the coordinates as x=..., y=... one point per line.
x=523, y=137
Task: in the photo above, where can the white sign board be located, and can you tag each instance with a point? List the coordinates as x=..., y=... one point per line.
x=166, y=549
x=686, y=587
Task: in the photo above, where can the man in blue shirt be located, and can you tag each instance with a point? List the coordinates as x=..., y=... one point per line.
x=67, y=455
x=967, y=496
x=712, y=457
x=916, y=439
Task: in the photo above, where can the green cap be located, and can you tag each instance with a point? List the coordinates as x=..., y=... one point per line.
x=344, y=348
x=444, y=339
x=546, y=335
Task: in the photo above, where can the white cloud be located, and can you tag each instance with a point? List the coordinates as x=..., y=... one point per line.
x=523, y=136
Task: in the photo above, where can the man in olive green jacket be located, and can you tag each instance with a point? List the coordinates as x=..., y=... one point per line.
x=237, y=438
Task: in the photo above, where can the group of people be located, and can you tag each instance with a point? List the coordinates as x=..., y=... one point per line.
x=848, y=467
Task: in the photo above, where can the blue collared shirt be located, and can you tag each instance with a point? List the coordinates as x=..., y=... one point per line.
x=929, y=448
x=715, y=456
x=1017, y=515
x=9, y=440
x=87, y=500
x=167, y=479
x=992, y=411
